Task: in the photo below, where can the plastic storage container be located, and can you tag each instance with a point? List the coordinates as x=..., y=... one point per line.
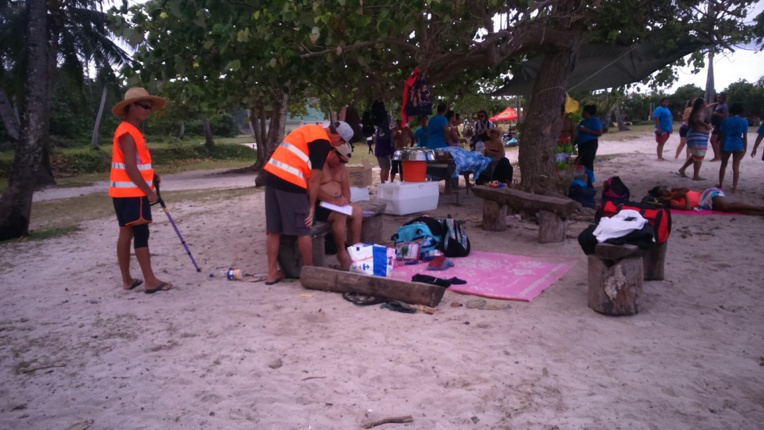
x=414, y=163
x=404, y=198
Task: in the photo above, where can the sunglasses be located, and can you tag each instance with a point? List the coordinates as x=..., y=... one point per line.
x=147, y=107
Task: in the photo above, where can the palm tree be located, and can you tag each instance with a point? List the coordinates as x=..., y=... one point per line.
x=76, y=35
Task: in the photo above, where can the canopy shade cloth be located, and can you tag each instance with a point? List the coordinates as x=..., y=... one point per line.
x=602, y=66
x=507, y=114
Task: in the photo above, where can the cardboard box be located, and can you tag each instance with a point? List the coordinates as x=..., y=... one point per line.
x=360, y=174
x=404, y=198
x=359, y=194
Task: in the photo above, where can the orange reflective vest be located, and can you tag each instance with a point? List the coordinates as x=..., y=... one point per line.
x=120, y=184
x=290, y=161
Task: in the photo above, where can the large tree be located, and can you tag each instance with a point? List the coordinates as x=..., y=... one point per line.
x=16, y=203
x=76, y=37
x=266, y=52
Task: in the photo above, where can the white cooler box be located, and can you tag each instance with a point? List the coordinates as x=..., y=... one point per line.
x=404, y=198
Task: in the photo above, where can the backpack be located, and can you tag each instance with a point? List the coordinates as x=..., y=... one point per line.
x=659, y=218
x=455, y=241
x=428, y=232
x=614, y=190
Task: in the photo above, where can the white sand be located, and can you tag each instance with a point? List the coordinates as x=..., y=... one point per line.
x=219, y=354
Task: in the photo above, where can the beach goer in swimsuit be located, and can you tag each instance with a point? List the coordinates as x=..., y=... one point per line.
x=685, y=128
x=708, y=199
x=697, y=139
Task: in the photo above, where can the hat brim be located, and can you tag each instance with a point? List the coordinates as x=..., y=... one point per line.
x=156, y=104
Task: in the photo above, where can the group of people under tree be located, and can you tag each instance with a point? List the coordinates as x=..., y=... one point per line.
x=309, y=167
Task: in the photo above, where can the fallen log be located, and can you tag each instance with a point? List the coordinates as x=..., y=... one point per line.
x=325, y=279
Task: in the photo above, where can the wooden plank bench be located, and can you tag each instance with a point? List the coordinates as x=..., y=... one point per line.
x=289, y=257
x=553, y=211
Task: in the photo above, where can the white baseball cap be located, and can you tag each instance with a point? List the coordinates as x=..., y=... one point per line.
x=343, y=129
x=345, y=150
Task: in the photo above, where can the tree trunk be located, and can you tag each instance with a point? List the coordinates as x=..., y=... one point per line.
x=182, y=131
x=619, y=119
x=710, y=93
x=209, y=141
x=276, y=130
x=543, y=121
x=97, y=124
x=609, y=116
x=9, y=117
x=16, y=203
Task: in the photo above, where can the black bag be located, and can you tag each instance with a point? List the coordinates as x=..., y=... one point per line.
x=614, y=190
x=499, y=170
x=455, y=242
x=584, y=195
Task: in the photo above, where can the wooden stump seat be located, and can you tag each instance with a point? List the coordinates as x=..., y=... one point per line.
x=616, y=273
x=290, y=259
x=371, y=228
x=553, y=211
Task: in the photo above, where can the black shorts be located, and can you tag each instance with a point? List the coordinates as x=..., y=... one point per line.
x=285, y=212
x=321, y=213
x=683, y=130
x=132, y=210
x=716, y=130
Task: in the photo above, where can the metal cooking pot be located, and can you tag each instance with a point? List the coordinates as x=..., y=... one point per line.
x=413, y=154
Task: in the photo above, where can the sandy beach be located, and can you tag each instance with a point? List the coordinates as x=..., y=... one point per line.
x=79, y=352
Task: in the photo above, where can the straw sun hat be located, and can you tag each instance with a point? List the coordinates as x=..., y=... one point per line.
x=137, y=94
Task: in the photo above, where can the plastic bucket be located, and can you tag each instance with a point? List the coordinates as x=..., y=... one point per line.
x=414, y=171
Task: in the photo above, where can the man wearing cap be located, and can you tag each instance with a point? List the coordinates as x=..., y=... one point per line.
x=663, y=127
x=293, y=177
x=335, y=189
x=131, y=186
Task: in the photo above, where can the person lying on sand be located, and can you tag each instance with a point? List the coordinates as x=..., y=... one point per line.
x=710, y=199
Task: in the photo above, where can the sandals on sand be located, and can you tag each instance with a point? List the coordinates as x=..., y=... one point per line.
x=361, y=299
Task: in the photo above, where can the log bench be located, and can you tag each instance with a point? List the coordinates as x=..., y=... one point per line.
x=289, y=257
x=553, y=211
x=324, y=279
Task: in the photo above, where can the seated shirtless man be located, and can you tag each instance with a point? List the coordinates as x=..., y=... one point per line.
x=335, y=189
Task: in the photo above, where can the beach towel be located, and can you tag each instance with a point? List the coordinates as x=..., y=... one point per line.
x=496, y=275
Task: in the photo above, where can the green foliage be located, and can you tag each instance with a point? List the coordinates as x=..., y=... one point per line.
x=751, y=96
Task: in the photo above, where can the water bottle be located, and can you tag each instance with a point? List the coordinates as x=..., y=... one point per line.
x=232, y=274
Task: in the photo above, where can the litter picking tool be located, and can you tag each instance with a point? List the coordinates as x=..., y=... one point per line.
x=169, y=217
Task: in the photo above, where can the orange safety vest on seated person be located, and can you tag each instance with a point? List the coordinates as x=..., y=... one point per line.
x=290, y=161
x=120, y=184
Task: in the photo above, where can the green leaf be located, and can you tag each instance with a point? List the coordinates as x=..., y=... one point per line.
x=243, y=35
x=233, y=65
x=273, y=63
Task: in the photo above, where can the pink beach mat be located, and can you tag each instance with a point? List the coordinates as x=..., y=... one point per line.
x=495, y=275
x=702, y=212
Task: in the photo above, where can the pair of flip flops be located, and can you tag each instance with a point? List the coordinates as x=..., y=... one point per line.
x=397, y=306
